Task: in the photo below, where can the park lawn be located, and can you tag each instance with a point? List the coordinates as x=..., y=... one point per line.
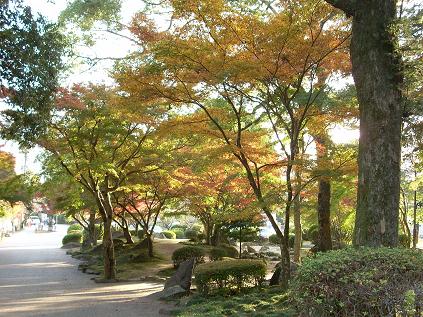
x=259, y=302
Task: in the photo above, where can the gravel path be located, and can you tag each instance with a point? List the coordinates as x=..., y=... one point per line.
x=37, y=278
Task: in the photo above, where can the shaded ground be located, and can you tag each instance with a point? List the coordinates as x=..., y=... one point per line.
x=37, y=278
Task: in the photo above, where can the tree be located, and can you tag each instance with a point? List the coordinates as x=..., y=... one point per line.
x=377, y=72
x=97, y=147
x=30, y=62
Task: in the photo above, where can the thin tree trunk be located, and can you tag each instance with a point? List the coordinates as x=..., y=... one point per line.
x=415, y=224
x=323, y=197
x=376, y=68
x=298, y=229
x=91, y=228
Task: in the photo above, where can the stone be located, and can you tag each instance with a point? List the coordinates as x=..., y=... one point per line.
x=183, y=275
x=264, y=248
x=172, y=292
x=250, y=249
x=274, y=280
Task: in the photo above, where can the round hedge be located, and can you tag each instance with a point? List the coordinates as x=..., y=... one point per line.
x=229, y=276
x=75, y=227
x=169, y=234
x=366, y=281
x=179, y=233
x=217, y=254
x=72, y=237
x=191, y=234
x=231, y=251
x=186, y=253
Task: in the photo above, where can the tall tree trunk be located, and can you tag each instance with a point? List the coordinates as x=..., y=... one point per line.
x=106, y=209
x=376, y=68
x=91, y=228
x=127, y=234
x=403, y=218
x=415, y=224
x=323, y=208
x=298, y=229
x=323, y=197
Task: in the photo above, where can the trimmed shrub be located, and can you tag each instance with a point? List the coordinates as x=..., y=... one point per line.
x=73, y=231
x=366, y=281
x=186, y=253
x=179, y=233
x=72, y=237
x=231, y=251
x=169, y=234
x=217, y=254
x=75, y=227
x=229, y=276
x=191, y=234
x=274, y=239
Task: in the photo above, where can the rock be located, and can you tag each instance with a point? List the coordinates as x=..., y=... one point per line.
x=264, y=249
x=250, y=249
x=183, y=275
x=274, y=280
x=172, y=292
x=117, y=234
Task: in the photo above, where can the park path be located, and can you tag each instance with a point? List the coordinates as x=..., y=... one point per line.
x=37, y=278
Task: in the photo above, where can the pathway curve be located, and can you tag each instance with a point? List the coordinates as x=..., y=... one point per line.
x=37, y=278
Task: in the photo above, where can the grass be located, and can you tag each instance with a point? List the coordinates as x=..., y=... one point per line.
x=259, y=302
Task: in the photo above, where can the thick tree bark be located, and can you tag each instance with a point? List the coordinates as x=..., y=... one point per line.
x=108, y=251
x=376, y=69
x=106, y=209
x=149, y=239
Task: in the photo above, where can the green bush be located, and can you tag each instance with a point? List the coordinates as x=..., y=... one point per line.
x=201, y=237
x=186, y=253
x=291, y=240
x=75, y=227
x=273, y=238
x=231, y=251
x=169, y=234
x=229, y=276
x=99, y=231
x=404, y=241
x=141, y=234
x=179, y=233
x=72, y=237
x=191, y=234
x=366, y=281
x=217, y=254
x=312, y=234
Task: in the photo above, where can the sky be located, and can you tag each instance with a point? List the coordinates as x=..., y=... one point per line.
x=110, y=46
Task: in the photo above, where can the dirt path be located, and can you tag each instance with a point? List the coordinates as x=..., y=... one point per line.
x=37, y=278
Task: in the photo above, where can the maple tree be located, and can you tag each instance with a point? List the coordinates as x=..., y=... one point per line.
x=97, y=147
